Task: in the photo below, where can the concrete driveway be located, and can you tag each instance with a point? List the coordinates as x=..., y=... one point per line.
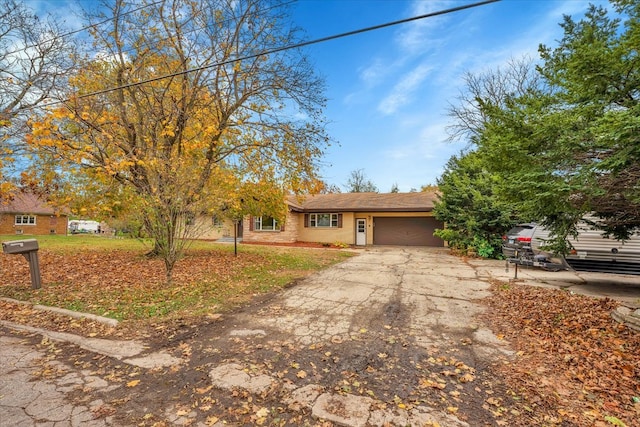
x=427, y=296
x=430, y=293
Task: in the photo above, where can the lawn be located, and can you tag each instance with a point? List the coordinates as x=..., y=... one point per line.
x=113, y=277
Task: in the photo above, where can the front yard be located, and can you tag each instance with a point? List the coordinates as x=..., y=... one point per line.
x=573, y=364
x=114, y=278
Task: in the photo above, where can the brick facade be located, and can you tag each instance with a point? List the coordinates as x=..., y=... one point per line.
x=45, y=224
x=28, y=214
x=287, y=235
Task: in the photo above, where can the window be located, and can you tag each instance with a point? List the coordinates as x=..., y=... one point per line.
x=217, y=221
x=325, y=220
x=25, y=220
x=265, y=223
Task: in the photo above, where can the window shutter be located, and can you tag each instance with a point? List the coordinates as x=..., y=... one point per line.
x=251, y=223
x=282, y=225
x=339, y=220
x=306, y=220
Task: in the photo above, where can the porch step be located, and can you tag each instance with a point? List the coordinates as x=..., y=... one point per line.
x=228, y=240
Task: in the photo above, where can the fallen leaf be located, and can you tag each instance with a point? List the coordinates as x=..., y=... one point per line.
x=262, y=412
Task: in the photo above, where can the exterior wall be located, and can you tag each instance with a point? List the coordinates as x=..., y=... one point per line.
x=369, y=217
x=345, y=234
x=288, y=235
x=205, y=229
x=295, y=231
x=45, y=224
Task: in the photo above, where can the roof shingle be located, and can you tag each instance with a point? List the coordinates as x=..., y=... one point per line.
x=363, y=202
x=28, y=203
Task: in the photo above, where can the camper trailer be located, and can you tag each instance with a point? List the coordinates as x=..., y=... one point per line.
x=77, y=226
x=591, y=251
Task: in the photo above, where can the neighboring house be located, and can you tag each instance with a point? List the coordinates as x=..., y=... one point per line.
x=26, y=213
x=353, y=218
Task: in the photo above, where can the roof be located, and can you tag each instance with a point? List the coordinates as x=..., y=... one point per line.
x=30, y=204
x=364, y=202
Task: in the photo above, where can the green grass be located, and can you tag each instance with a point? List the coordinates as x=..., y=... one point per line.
x=112, y=277
x=80, y=242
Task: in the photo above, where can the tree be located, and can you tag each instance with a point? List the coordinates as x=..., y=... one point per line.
x=486, y=90
x=326, y=188
x=564, y=141
x=359, y=183
x=476, y=218
x=595, y=74
x=185, y=107
x=394, y=188
x=35, y=57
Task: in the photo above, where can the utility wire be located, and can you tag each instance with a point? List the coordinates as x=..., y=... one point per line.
x=79, y=30
x=280, y=49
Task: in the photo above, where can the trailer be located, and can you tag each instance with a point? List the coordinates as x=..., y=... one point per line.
x=591, y=251
x=77, y=226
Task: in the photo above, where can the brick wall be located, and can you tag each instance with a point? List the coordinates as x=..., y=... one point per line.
x=288, y=235
x=45, y=224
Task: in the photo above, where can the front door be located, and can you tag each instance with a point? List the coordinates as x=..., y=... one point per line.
x=361, y=232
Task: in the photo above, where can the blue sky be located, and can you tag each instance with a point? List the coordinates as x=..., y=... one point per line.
x=389, y=89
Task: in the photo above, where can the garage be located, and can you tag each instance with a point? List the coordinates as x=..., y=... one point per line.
x=406, y=231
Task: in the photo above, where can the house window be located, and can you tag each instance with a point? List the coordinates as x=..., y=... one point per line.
x=217, y=221
x=265, y=223
x=25, y=220
x=324, y=220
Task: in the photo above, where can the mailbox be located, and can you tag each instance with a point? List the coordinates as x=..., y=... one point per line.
x=29, y=249
x=20, y=246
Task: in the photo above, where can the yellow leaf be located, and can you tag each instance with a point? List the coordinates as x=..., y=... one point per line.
x=133, y=383
x=301, y=374
x=262, y=412
x=211, y=420
x=203, y=390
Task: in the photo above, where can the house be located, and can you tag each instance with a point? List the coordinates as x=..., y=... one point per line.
x=27, y=213
x=352, y=218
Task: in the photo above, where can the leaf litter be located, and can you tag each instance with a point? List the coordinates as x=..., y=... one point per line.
x=574, y=365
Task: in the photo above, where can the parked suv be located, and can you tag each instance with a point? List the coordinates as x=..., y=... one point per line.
x=518, y=239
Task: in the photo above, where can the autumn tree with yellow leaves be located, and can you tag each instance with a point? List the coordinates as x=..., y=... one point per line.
x=193, y=107
x=35, y=58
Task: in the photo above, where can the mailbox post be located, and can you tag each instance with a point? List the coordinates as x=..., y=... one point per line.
x=29, y=249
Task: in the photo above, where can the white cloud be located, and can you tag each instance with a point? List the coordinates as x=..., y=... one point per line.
x=402, y=91
x=373, y=73
x=418, y=36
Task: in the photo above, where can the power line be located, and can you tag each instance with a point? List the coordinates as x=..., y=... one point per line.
x=95, y=25
x=281, y=49
x=79, y=30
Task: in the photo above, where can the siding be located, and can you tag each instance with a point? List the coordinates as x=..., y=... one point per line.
x=204, y=228
x=346, y=234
